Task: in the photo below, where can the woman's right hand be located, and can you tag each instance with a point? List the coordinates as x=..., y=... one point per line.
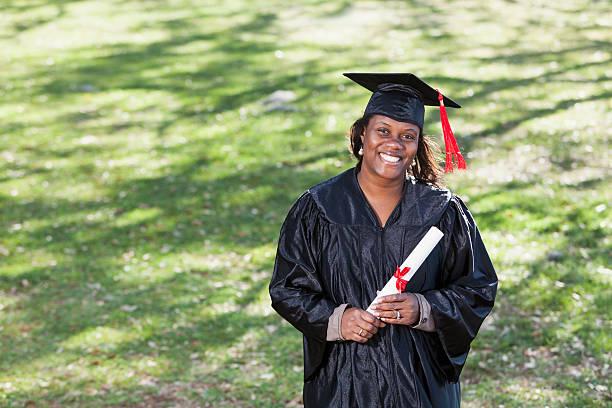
x=359, y=325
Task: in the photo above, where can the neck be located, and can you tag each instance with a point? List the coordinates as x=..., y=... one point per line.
x=378, y=186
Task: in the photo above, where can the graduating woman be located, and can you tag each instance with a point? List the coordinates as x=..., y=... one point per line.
x=342, y=241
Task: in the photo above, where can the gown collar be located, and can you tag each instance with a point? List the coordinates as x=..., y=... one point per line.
x=394, y=214
x=341, y=201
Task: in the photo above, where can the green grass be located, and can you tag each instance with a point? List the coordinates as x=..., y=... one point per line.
x=143, y=184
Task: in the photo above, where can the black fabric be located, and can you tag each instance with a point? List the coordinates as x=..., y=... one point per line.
x=373, y=81
x=396, y=104
x=332, y=250
x=400, y=87
x=399, y=96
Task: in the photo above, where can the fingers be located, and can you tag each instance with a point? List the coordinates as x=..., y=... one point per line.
x=361, y=338
x=391, y=314
x=352, y=323
x=395, y=302
x=369, y=328
x=387, y=308
x=386, y=313
x=361, y=334
x=396, y=297
x=365, y=331
x=368, y=323
x=373, y=320
x=359, y=325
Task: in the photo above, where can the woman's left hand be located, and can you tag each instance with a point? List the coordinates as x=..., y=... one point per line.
x=400, y=308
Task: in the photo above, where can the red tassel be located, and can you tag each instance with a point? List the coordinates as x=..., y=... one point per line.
x=450, y=143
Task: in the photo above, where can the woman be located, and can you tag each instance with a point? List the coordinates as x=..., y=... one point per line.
x=343, y=239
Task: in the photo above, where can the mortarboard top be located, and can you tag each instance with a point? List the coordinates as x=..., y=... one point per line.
x=429, y=95
x=402, y=96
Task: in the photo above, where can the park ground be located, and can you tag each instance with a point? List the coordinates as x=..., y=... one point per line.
x=150, y=150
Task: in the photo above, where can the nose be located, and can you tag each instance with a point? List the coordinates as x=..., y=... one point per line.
x=395, y=141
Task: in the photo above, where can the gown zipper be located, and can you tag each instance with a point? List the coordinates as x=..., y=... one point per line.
x=388, y=345
x=380, y=233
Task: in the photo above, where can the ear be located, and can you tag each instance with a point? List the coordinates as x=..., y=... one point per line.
x=362, y=136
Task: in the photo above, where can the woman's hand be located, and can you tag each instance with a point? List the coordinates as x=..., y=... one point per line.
x=387, y=307
x=359, y=325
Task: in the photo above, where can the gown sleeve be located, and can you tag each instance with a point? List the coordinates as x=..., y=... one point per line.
x=296, y=288
x=468, y=285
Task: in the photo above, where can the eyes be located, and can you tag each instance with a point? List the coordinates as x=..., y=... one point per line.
x=383, y=131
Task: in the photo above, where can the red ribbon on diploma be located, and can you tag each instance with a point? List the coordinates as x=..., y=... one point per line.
x=400, y=284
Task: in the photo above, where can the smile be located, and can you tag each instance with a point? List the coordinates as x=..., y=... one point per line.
x=387, y=158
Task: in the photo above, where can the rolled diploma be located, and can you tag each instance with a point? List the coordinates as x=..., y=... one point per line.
x=414, y=261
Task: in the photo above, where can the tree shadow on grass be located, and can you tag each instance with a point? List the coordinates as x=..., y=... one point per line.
x=63, y=302
x=82, y=291
x=22, y=25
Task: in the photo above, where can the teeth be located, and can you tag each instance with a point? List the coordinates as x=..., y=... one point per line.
x=389, y=158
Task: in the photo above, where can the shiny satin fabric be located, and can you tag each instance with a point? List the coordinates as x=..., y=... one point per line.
x=332, y=250
x=397, y=105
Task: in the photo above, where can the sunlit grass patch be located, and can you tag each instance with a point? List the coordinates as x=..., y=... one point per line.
x=148, y=161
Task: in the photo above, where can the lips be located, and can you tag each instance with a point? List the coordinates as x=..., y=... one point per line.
x=389, y=158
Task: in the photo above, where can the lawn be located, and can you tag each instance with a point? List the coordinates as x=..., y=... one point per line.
x=150, y=150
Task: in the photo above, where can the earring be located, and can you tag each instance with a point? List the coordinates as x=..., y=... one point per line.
x=360, y=151
x=413, y=162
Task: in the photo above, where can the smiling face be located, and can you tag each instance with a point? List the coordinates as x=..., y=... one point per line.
x=389, y=147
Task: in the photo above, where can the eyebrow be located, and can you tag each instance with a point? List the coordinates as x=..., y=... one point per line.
x=405, y=129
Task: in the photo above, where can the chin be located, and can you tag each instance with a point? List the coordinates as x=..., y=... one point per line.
x=391, y=174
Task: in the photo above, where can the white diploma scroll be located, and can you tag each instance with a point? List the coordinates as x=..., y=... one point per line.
x=413, y=262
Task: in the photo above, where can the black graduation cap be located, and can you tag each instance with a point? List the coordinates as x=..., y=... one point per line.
x=403, y=96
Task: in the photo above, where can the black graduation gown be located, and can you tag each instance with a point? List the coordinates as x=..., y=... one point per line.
x=332, y=250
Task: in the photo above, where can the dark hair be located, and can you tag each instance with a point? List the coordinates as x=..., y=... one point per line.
x=426, y=169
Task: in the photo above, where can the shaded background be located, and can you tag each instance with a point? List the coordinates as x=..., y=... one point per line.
x=151, y=149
